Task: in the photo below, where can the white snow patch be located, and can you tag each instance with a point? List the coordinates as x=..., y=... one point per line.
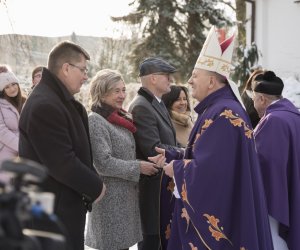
x=291, y=90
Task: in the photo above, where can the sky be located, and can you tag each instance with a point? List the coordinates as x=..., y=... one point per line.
x=61, y=17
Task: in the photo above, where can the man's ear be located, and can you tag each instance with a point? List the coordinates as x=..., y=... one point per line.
x=65, y=68
x=212, y=82
x=153, y=79
x=263, y=99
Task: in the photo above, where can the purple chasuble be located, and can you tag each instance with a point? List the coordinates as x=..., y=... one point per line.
x=277, y=139
x=222, y=203
x=167, y=201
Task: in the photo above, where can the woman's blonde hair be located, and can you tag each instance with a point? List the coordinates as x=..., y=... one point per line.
x=102, y=83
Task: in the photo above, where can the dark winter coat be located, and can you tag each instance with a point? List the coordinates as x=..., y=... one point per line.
x=54, y=132
x=154, y=128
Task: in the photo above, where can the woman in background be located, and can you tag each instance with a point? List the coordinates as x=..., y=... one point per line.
x=114, y=223
x=11, y=103
x=178, y=105
x=248, y=101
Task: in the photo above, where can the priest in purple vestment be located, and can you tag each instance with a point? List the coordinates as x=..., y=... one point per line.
x=277, y=139
x=220, y=202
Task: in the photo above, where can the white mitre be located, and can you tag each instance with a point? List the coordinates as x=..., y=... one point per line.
x=217, y=57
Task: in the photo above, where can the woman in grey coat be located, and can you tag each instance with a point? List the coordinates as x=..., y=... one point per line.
x=114, y=223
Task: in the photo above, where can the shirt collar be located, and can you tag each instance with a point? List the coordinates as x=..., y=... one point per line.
x=158, y=99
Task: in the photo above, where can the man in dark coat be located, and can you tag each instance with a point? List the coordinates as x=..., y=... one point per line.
x=277, y=138
x=54, y=132
x=154, y=128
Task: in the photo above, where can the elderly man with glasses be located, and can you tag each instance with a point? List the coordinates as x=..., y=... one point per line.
x=154, y=128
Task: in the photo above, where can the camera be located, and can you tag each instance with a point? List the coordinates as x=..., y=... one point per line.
x=27, y=221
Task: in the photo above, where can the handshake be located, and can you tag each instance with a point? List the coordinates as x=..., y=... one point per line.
x=157, y=164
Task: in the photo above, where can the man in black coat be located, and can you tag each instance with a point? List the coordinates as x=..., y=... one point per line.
x=154, y=129
x=54, y=132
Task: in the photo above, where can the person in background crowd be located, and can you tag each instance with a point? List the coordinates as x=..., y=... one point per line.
x=154, y=128
x=220, y=200
x=277, y=138
x=248, y=101
x=115, y=222
x=178, y=105
x=11, y=103
x=36, y=76
x=54, y=132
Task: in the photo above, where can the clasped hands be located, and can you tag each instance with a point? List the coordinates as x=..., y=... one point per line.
x=149, y=168
x=160, y=161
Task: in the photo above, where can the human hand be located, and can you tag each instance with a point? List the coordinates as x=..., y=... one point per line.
x=102, y=194
x=160, y=151
x=169, y=171
x=148, y=168
x=159, y=159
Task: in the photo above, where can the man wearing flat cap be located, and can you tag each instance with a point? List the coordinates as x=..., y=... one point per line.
x=277, y=138
x=154, y=129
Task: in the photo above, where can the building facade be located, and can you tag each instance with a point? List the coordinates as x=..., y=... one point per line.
x=275, y=30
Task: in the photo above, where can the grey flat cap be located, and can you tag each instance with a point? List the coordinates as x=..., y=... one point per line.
x=155, y=65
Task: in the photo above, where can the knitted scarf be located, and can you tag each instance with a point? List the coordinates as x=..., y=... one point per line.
x=182, y=119
x=119, y=117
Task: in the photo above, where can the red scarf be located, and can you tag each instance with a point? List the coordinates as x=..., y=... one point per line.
x=114, y=116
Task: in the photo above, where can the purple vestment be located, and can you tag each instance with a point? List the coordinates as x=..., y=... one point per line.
x=167, y=201
x=222, y=203
x=277, y=138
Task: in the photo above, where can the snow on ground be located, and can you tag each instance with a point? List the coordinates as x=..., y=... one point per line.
x=291, y=90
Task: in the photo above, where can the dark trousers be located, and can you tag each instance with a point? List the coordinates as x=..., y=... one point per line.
x=149, y=242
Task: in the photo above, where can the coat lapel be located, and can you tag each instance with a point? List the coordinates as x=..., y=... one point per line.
x=162, y=113
x=150, y=98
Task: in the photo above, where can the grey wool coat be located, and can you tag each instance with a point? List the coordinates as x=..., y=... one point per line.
x=154, y=128
x=114, y=222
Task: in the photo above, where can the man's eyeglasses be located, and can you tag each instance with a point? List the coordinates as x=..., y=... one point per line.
x=38, y=75
x=83, y=70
